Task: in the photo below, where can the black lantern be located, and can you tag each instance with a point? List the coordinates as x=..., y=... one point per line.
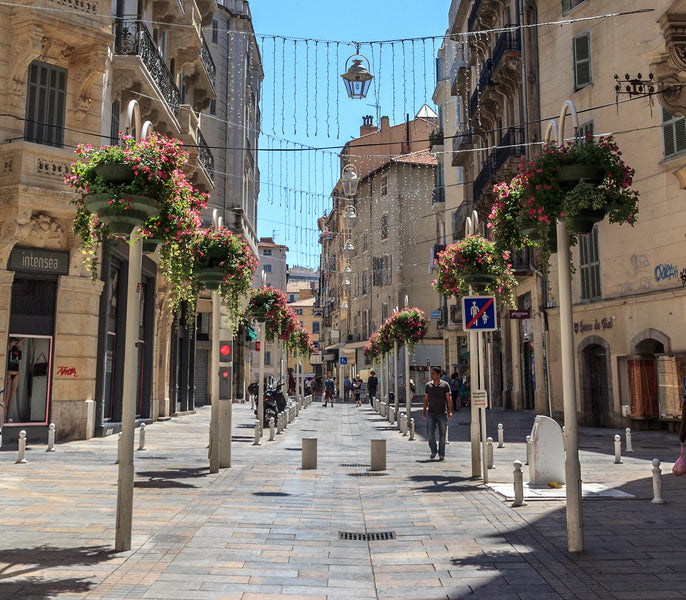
x=357, y=77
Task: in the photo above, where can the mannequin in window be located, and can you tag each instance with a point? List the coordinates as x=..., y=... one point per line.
x=12, y=379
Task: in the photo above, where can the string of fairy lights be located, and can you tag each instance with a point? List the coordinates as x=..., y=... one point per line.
x=297, y=179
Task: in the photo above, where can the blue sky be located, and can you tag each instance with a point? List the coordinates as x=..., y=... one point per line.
x=306, y=116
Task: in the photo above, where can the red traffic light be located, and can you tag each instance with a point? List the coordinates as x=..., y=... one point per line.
x=224, y=374
x=225, y=350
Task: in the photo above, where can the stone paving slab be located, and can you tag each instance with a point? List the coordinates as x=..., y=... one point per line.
x=265, y=528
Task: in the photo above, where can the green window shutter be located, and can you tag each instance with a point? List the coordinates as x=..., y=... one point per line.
x=566, y=6
x=582, y=61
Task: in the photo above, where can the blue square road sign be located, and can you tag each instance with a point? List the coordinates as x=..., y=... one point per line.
x=478, y=313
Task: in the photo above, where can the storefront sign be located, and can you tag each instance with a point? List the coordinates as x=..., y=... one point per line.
x=520, y=314
x=36, y=260
x=587, y=326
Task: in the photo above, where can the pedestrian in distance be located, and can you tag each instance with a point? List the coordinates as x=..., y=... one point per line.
x=455, y=385
x=437, y=409
x=357, y=390
x=347, y=386
x=329, y=390
x=372, y=385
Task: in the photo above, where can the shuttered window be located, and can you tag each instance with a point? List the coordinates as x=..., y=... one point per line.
x=45, y=104
x=568, y=5
x=582, y=61
x=589, y=266
x=674, y=130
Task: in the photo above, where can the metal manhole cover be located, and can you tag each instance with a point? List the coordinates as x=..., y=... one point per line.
x=367, y=474
x=355, y=465
x=366, y=537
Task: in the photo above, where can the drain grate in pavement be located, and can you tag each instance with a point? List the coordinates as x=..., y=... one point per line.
x=368, y=474
x=355, y=465
x=366, y=537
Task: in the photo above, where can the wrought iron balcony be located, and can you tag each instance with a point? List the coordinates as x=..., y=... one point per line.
x=497, y=165
x=205, y=157
x=435, y=139
x=508, y=42
x=207, y=61
x=133, y=39
x=512, y=144
x=473, y=15
x=485, y=176
x=462, y=140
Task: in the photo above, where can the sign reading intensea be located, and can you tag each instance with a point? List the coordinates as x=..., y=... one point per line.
x=37, y=260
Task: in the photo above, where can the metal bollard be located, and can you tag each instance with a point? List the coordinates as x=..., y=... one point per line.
x=51, y=438
x=489, y=453
x=116, y=462
x=518, y=484
x=528, y=449
x=257, y=433
x=378, y=455
x=411, y=430
x=501, y=444
x=272, y=432
x=618, y=450
x=629, y=447
x=309, y=452
x=141, y=437
x=657, y=483
x=21, y=448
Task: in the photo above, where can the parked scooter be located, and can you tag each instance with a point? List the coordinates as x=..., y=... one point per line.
x=274, y=403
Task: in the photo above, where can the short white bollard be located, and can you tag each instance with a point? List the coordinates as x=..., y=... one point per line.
x=272, y=432
x=618, y=450
x=309, y=451
x=657, y=483
x=116, y=462
x=257, y=433
x=411, y=430
x=501, y=443
x=403, y=424
x=391, y=415
x=378, y=455
x=51, y=438
x=21, y=448
x=629, y=447
x=141, y=437
x=518, y=484
x=489, y=453
x=528, y=449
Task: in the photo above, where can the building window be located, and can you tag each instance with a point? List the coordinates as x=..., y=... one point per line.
x=215, y=31
x=585, y=128
x=267, y=268
x=299, y=311
x=568, y=5
x=589, y=266
x=674, y=132
x=315, y=327
x=267, y=252
x=384, y=185
x=45, y=104
x=384, y=226
x=267, y=357
x=114, y=123
x=582, y=61
x=365, y=282
x=213, y=107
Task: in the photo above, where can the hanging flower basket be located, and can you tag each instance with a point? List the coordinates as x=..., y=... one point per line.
x=270, y=306
x=407, y=326
x=474, y=261
x=115, y=172
x=583, y=222
x=123, y=214
x=572, y=174
x=211, y=278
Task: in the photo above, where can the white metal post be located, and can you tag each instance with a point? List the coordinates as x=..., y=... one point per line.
x=482, y=411
x=396, y=400
x=214, y=385
x=124, y=517
x=408, y=390
x=260, y=389
x=471, y=225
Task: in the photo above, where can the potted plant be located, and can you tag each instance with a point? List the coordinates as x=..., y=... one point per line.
x=222, y=261
x=408, y=326
x=269, y=306
x=301, y=342
x=473, y=262
x=376, y=348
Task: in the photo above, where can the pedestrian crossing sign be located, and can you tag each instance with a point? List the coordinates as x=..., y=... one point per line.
x=478, y=313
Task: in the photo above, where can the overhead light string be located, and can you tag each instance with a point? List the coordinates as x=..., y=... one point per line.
x=338, y=112
x=328, y=88
x=283, y=86
x=295, y=88
x=307, y=85
x=316, y=87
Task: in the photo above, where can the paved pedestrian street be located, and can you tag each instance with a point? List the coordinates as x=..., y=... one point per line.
x=266, y=529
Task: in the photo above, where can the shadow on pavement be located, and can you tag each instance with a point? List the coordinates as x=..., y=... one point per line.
x=17, y=565
x=441, y=483
x=167, y=478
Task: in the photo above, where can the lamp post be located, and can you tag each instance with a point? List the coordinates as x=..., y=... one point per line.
x=260, y=396
x=408, y=389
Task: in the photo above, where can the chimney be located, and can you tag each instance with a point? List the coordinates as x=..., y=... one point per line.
x=385, y=123
x=367, y=125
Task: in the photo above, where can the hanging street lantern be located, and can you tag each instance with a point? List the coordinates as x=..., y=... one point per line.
x=357, y=77
x=348, y=248
x=349, y=217
x=349, y=181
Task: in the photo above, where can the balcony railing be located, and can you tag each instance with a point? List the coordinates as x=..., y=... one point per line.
x=485, y=176
x=435, y=138
x=512, y=144
x=207, y=61
x=205, y=157
x=132, y=39
x=508, y=41
x=463, y=138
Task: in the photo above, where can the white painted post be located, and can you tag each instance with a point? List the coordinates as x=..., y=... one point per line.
x=141, y=438
x=309, y=453
x=378, y=455
x=411, y=430
x=215, y=433
x=482, y=411
x=657, y=483
x=116, y=462
x=629, y=447
x=404, y=424
x=396, y=401
x=272, y=433
x=518, y=484
x=618, y=450
x=21, y=448
x=51, y=438
x=408, y=390
x=225, y=420
x=489, y=453
x=391, y=415
x=529, y=444
x=258, y=431
x=501, y=444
